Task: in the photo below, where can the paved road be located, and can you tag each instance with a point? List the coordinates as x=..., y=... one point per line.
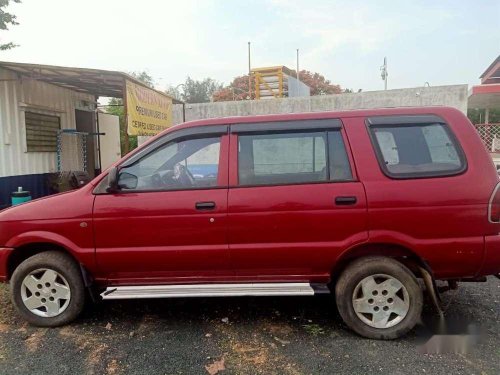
x=243, y=335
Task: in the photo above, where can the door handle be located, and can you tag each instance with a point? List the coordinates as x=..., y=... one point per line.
x=205, y=205
x=345, y=201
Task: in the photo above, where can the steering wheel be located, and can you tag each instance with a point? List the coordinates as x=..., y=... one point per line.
x=190, y=175
x=183, y=176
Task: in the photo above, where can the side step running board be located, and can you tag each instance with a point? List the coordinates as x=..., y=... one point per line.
x=214, y=290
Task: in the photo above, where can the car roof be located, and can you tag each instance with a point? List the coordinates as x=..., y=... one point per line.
x=315, y=115
x=253, y=119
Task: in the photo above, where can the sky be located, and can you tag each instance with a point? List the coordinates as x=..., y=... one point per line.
x=439, y=42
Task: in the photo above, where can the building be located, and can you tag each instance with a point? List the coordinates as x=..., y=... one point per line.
x=38, y=104
x=486, y=96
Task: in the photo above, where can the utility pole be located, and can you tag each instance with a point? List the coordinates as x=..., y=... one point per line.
x=384, y=73
x=249, y=74
x=298, y=71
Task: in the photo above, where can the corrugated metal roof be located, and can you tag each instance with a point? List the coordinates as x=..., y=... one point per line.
x=96, y=82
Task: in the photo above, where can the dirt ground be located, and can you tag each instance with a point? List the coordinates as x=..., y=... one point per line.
x=289, y=335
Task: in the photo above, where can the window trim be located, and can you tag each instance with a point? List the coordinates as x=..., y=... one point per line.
x=193, y=132
x=296, y=126
x=411, y=121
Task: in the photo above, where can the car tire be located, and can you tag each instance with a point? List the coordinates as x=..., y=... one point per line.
x=379, y=298
x=47, y=289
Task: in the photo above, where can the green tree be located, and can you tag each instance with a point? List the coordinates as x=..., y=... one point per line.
x=174, y=92
x=116, y=107
x=7, y=19
x=144, y=77
x=350, y=91
x=194, y=91
x=476, y=116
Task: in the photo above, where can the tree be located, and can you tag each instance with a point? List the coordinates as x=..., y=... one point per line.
x=115, y=107
x=318, y=83
x=477, y=116
x=237, y=90
x=350, y=91
x=144, y=77
x=194, y=91
x=174, y=92
x=7, y=19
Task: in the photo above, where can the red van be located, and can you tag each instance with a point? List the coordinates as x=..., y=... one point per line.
x=361, y=204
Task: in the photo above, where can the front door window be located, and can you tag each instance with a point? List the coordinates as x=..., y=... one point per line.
x=178, y=165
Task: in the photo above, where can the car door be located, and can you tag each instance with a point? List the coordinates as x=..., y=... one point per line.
x=168, y=221
x=295, y=203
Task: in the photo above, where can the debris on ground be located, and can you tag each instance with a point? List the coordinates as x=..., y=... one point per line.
x=216, y=367
x=282, y=342
x=314, y=329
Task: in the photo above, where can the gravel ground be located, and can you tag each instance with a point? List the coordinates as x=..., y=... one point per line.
x=292, y=335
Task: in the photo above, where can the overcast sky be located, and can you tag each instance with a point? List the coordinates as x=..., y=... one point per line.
x=440, y=42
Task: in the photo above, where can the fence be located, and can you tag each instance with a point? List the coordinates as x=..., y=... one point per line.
x=71, y=151
x=490, y=135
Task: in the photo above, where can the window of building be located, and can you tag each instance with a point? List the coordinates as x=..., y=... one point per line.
x=41, y=132
x=417, y=150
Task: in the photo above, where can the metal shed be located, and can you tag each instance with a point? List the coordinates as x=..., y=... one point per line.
x=47, y=95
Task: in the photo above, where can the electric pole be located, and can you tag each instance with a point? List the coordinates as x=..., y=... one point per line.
x=298, y=74
x=249, y=74
x=384, y=73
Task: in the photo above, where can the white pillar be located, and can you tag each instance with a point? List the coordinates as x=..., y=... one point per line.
x=487, y=116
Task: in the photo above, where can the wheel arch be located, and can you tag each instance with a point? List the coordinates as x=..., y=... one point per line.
x=25, y=251
x=30, y=243
x=399, y=252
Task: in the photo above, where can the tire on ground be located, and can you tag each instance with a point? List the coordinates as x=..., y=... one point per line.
x=365, y=267
x=65, y=266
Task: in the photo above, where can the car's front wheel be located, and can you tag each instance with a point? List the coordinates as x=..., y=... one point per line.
x=379, y=298
x=47, y=289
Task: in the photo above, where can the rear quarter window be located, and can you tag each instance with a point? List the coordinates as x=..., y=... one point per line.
x=417, y=150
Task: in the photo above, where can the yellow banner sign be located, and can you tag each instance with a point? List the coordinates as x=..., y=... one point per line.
x=148, y=111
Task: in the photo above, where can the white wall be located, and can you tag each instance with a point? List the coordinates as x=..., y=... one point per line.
x=18, y=95
x=453, y=96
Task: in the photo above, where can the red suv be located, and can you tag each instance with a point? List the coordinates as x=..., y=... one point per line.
x=361, y=204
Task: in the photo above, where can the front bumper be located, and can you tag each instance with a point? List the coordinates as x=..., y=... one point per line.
x=4, y=254
x=491, y=264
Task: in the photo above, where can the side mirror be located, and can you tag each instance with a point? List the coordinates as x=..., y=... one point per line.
x=127, y=181
x=113, y=181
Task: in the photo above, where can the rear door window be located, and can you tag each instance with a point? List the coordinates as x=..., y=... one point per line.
x=417, y=150
x=292, y=157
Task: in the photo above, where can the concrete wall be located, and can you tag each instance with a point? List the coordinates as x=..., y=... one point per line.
x=453, y=96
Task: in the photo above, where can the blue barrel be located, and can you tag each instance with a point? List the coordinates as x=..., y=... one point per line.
x=20, y=196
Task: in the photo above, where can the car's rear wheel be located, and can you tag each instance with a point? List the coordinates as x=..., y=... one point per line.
x=47, y=289
x=379, y=298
